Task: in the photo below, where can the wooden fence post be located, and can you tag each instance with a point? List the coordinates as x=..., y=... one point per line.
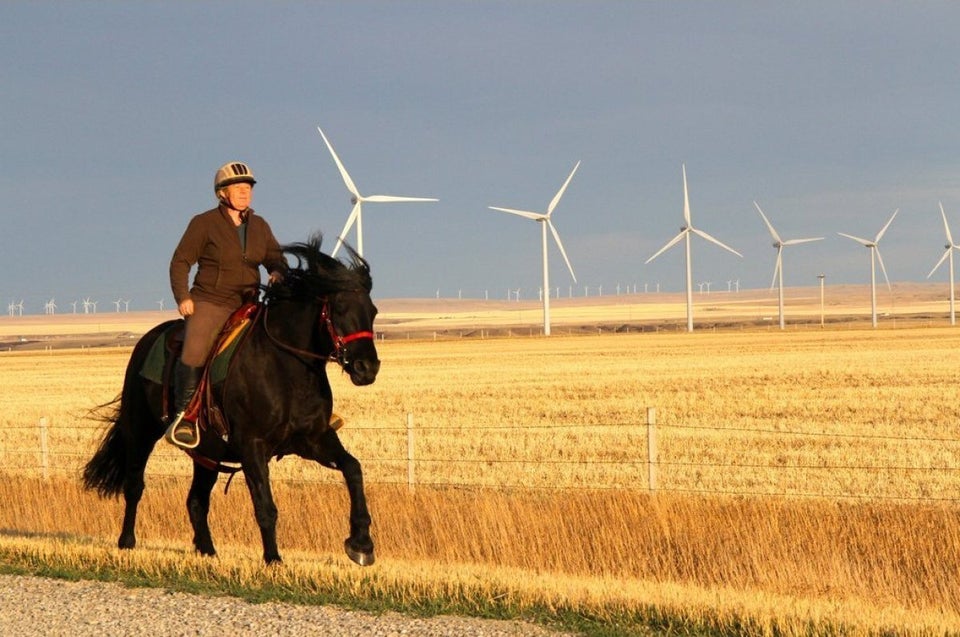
x=44, y=453
x=410, y=475
x=652, y=448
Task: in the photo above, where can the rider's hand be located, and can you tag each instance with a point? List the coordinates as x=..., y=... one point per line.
x=185, y=308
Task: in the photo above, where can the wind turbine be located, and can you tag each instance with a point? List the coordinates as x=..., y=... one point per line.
x=685, y=231
x=544, y=220
x=874, y=257
x=357, y=200
x=948, y=254
x=779, y=244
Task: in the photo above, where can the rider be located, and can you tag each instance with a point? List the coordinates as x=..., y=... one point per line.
x=228, y=244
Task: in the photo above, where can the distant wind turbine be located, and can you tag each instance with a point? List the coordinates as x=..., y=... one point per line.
x=544, y=220
x=948, y=254
x=874, y=258
x=357, y=200
x=685, y=231
x=779, y=244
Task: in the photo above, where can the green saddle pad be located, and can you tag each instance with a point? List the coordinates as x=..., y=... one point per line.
x=153, y=365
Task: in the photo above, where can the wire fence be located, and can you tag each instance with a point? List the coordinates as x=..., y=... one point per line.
x=758, y=461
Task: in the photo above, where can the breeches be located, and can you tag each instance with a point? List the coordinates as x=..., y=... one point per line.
x=203, y=326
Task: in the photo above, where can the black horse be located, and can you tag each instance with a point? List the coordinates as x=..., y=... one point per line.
x=276, y=398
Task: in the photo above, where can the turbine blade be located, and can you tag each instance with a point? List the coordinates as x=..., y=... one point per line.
x=886, y=225
x=556, y=237
x=536, y=216
x=352, y=187
x=882, y=269
x=556, y=198
x=946, y=227
x=669, y=245
x=940, y=262
x=865, y=242
x=346, y=228
x=686, y=197
x=716, y=241
x=776, y=269
x=392, y=199
x=773, y=233
x=792, y=242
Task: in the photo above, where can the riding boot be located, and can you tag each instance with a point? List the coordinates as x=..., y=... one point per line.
x=183, y=432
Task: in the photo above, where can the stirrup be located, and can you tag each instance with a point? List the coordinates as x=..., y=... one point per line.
x=180, y=426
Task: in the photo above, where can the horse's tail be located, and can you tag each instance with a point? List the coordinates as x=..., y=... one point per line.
x=105, y=471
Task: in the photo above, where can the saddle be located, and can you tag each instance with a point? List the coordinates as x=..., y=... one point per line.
x=203, y=409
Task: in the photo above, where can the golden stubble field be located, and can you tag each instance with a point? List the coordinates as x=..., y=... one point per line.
x=806, y=477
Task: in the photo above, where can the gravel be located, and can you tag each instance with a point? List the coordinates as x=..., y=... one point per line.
x=42, y=607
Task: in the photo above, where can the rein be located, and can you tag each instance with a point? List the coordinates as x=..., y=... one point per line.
x=339, y=353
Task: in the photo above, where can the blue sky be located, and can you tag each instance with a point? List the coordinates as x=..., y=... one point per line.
x=115, y=116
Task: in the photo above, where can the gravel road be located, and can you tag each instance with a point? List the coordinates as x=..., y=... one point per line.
x=42, y=607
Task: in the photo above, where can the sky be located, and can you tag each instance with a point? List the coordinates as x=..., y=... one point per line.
x=114, y=117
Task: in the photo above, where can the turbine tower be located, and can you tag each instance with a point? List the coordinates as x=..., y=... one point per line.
x=779, y=244
x=544, y=220
x=357, y=200
x=948, y=254
x=685, y=231
x=874, y=258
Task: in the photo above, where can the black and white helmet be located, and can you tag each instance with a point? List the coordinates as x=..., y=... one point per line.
x=234, y=172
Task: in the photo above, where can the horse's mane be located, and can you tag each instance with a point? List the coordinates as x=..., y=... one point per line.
x=314, y=273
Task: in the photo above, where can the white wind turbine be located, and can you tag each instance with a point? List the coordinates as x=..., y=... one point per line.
x=779, y=244
x=685, y=231
x=948, y=254
x=544, y=220
x=357, y=200
x=874, y=258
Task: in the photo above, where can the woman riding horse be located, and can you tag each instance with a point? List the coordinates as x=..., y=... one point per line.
x=275, y=397
x=228, y=244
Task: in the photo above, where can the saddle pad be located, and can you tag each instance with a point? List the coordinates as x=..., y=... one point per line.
x=152, y=368
x=153, y=365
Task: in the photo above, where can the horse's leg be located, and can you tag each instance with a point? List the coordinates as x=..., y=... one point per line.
x=138, y=450
x=257, y=474
x=359, y=545
x=198, y=506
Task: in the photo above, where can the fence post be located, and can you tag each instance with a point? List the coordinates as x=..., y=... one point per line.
x=652, y=448
x=44, y=453
x=410, y=475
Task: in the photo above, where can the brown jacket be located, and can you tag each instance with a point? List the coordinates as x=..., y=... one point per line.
x=226, y=273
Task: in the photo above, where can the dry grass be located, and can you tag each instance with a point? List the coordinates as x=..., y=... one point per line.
x=865, y=413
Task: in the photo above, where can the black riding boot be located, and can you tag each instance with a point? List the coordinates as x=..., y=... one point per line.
x=183, y=432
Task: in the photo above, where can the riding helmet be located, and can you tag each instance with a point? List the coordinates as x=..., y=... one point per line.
x=234, y=172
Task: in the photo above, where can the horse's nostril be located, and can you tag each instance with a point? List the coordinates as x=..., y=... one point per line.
x=366, y=367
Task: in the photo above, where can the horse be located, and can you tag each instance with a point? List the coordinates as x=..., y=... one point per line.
x=276, y=398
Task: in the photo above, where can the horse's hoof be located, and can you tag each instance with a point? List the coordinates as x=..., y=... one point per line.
x=363, y=558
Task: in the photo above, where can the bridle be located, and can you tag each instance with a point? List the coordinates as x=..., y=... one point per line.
x=339, y=353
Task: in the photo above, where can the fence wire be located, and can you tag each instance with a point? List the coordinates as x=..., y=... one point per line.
x=555, y=457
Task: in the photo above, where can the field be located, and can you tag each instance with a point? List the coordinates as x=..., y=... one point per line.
x=807, y=479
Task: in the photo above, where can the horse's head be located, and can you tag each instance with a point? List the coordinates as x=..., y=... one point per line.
x=348, y=318
x=345, y=311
